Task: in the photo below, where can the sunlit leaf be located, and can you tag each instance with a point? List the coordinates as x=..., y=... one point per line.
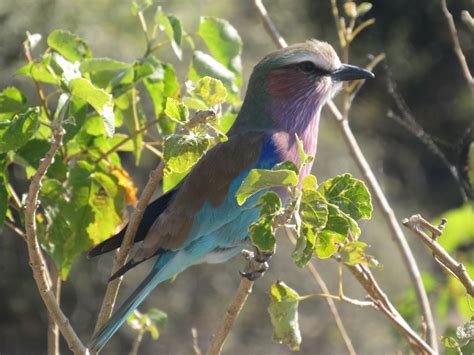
x=176, y=110
x=181, y=152
x=100, y=64
x=11, y=101
x=349, y=194
x=210, y=90
x=100, y=100
x=283, y=311
x=223, y=41
x=259, y=179
x=173, y=29
x=15, y=134
x=69, y=45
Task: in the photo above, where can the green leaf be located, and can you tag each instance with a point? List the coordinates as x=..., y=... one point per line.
x=354, y=253
x=449, y=342
x=160, y=88
x=40, y=70
x=205, y=65
x=349, y=194
x=100, y=100
x=11, y=101
x=341, y=223
x=223, y=41
x=210, y=90
x=15, y=134
x=283, y=311
x=259, y=179
x=313, y=210
x=173, y=29
x=176, y=110
x=181, y=152
x=171, y=179
x=328, y=243
x=100, y=64
x=460, y=227
x=69, y=45
x=157, y=317
x=309, y=183
x=34, y=150
x=262, y=236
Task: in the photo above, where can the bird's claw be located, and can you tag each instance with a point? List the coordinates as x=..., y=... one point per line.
x=253, y=275
x=248, y=254
x=262, y=257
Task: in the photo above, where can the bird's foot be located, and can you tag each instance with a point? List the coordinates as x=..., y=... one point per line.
x=262, y=258
x=248, y=254
x=255, y=274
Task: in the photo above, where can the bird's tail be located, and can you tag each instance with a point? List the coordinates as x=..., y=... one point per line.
x=133, y=301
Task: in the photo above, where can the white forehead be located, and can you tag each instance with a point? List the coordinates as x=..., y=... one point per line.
x=322, y=54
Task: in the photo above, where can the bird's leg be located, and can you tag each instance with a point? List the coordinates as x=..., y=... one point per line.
x=258, y=264
x=247, y=254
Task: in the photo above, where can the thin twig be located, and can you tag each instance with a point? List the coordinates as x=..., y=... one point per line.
x=39, y=90
x=137, y=341
x=53, y=329
x=233, y=311
x=196, y=348
x=440, y=254
x=126, y=139
x=38, y=266
x=121, y=256
x=372, y=182
x=457, y=46
x=15, y=229
x=332, y=306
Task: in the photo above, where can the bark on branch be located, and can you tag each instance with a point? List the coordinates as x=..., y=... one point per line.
x=37, y=263
x=415, y=223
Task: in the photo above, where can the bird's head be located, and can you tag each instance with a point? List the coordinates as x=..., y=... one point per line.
x=292, y=84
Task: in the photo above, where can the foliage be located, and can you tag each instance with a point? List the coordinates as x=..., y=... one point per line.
x=324, y=221
x=153, y=322
x=86, y=190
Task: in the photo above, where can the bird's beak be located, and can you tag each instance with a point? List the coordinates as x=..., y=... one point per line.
x=347, y=72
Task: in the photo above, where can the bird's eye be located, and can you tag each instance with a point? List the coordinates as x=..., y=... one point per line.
x=307, y=67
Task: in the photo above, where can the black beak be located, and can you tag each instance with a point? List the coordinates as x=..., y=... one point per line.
x=349, y=72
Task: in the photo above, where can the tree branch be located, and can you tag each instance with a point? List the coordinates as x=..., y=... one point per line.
x=457, y=46
x=38, y=266
x=121, y=256
x=233, y=311
x=374, y=186
x=53, y=329
x=456, y=268
x=137, y=341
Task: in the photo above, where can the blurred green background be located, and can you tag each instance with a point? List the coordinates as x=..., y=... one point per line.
x=416, y=41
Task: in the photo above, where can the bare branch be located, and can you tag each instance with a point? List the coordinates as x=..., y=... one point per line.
x=15, y=229
x=457, y=46
x=269, y=26
x=439, y=253
x=126, y=139
x=38, y=266
x=137, y=341
x=234, y=309
x=121, y=256
x=53, y=329
x=374, y=186
x=196, y=348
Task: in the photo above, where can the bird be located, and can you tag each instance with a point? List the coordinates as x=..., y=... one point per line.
x=200, y=220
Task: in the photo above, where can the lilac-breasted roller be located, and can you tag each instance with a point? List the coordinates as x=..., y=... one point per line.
x=200, y=220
